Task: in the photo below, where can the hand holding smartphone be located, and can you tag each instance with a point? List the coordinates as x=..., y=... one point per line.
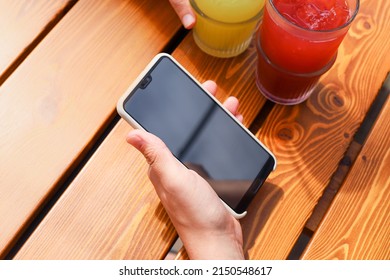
x=168, y=102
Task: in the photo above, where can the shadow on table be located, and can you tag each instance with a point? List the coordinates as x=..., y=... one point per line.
x=308, y=140
x=259, y=212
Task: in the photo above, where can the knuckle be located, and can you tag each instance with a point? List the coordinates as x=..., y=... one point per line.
x=153, y=153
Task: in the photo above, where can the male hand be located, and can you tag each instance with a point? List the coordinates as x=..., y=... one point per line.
x=206, y=228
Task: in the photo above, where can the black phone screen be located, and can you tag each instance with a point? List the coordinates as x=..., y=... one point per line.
x=169, y=104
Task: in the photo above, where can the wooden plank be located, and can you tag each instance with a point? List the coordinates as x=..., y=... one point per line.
x=357, y=225
x=349, y=157
x=309, y=140
x=333, y=187
x=277, y=198
x=56, y=103
x=121, y=222
x=110, y=211
x=182, y=254
x=22, y=26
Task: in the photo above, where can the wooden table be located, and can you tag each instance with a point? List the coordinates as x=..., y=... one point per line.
x=72, y=188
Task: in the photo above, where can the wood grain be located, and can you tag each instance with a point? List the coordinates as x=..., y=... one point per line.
x=22, y=23
x=115, y=180
x=58, y=101
x=333, y=186
x=310, y=139
x=350, y=156
x=110, y=211
x=182, y=254
x=357, y=225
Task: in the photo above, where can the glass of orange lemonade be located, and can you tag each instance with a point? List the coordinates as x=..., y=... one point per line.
x=224, y=28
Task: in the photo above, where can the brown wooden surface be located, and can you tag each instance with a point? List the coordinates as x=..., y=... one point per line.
x=29, y=20
x=110, y=210
x=357, y=226
x=333, y=186
x=310, y=139
x=182, y=254
x=56, y=103
x=105, y=176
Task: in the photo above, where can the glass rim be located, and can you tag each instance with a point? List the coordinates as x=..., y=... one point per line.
x=317, y=31
x=198, y=10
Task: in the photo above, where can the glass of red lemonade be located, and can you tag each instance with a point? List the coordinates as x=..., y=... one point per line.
x=297, y=42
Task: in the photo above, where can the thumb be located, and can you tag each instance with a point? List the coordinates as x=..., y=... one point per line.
x=163, y=166
x=184, y=11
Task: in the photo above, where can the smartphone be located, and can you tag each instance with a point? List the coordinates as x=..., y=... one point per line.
x=168, y=102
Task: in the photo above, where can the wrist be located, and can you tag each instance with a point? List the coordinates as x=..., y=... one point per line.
x=214, y=244
x=215, y=247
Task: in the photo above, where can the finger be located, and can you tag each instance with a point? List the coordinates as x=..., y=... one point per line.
x=184, y=11
x=210, y=86
x=240, y=118
x=148, y=145
x=163, y=165
x=231, y=104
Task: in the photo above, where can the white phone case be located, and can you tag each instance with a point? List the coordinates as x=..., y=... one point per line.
x=133, y=123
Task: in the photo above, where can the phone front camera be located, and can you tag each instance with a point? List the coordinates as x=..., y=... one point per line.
x=145, y=82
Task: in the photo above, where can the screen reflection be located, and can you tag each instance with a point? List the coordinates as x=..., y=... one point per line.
x=198, y=132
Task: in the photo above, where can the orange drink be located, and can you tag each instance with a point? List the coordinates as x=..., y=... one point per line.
x=224, y=28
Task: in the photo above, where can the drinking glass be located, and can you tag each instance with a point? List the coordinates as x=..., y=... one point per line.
x=292, y=56
x=224, y=28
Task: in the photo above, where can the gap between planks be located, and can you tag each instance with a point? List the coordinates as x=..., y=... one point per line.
x=84, y=158
x=342, y=171
x=30, y=47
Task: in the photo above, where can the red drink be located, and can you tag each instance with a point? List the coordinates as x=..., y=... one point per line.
x=297, y=43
